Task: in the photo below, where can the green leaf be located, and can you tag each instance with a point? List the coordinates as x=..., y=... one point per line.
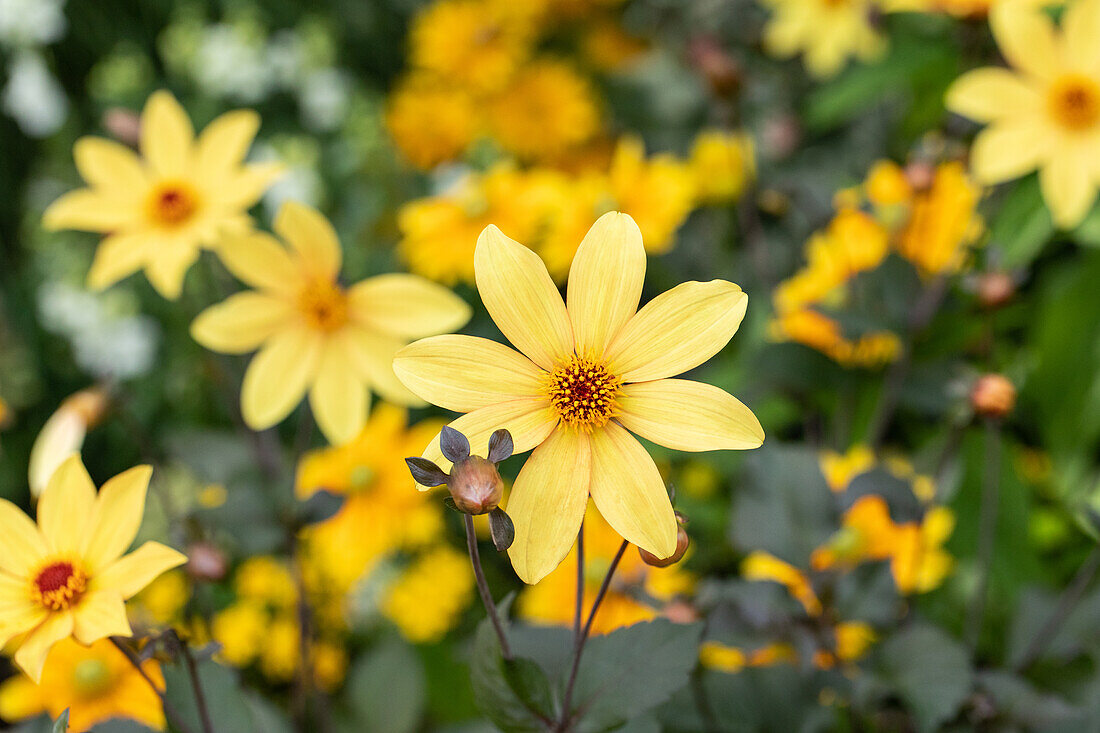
x=224, y=697
x=529, y=682
x=493, y=690
x=386, y=689
x=1020, y=703
x=929, y=671
x=62, y=723
x=1022, y=225
x=632, y=670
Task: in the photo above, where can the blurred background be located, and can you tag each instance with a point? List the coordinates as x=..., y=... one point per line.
x=913, y=547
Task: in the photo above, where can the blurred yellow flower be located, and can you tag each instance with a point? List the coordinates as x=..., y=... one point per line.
x=158, y=211
x=430, y=120
x=68, y=576
x=729, y=659
x=828, y=33
x=477, y=44
x=658, y=192
x=722, y=164
x=94, y=683
x=163, y=600
x=851, y=640
x=760, y=565
x=266, y=581
x=840, y=468
x=544, y=110
x=312, y=333
x=552, y=600
x=426, y=601
x=919, y=562
x=380, y=515
x=582, y=377
x=1044, y=113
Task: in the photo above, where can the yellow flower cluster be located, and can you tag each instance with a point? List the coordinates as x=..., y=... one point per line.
x=380, y=520
x=261, y=627
x=550, y=210
x=552, y=600
x=475, y=70
x=850, y=641
x=930, y=223
x=827, y=33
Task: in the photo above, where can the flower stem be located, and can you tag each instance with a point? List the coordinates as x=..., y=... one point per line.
x=987, y=528
x=196, y=685
x=578, y=648
x=1067, y=602
x=483, y=588
x=173, y=716
x=580, y=584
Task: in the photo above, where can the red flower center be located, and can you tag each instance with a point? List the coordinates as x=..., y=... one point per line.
x=59, y=585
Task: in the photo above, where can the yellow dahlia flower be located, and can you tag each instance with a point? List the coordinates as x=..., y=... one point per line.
x=312, y=333
x=95, y=684
x=158, y=211
x=583, y=377
x=826, y=32
x=1043, y=113
x=67, y=576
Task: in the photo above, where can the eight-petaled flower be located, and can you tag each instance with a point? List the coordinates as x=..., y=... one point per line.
x=584, y=378
x=68, y=576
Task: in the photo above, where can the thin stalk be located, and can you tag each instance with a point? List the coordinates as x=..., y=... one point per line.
x=1067, y=602
x=987, y=528
x=578, y=649
x=196, y=686
x=173, y=715
x=483, y=588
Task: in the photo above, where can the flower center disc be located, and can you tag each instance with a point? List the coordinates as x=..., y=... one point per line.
x=325, y=305
x=583, y=392
x=173, y=204
x=59, y=585
x=1075, y=101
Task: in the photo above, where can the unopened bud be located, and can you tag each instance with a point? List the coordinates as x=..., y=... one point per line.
x=920, y=174
x=206, y=562
x=63, y=434
x=993, y=396
x=995, y=289
x=682, y=542
x=123, y=124
x=475, y=485
x=721, y=70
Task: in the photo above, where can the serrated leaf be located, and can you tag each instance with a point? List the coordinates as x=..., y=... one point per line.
x=628, y=672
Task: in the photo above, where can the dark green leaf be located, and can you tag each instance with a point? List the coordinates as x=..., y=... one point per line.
x=929, y=671
x=1022, y=225
x=386, y=689
x=529, y=682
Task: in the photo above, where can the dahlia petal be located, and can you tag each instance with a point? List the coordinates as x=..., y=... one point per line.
x=465, y=373
x=677, y=331
x=166, y=135
x=547, y=503
x=1026, y=38
x=629, y=492
x=88, y=211
x=241, y=322
x=406, y=306
x=99, y=614
x=117, y=256
x=993, y=93
x=129, y=574
x=116, y=517
x=65, y=506
x=605, y=282
x=21, y=544
x=310, y=235
x=338, y=397
x=1068, y=189
x=689, y=416
x=31, y=655
x=167, y=268
x=522, y=299
x=224, y=143
x=278, y=376
x=373, y=356
x=110, y=166
x=1007, y=150
x=1081, y=31
x=259, y=260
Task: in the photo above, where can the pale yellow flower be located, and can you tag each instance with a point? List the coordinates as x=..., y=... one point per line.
x=67, y=576
x=312, y=333
x=722, y=164
x=1044, y=113
x=160, y=210
x=94, y=683
x=583, y=377
x=826, y=32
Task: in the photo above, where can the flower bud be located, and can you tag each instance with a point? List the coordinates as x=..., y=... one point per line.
x=682, y=542
x=63, y=434
x=920, y=174
x=475, y=485
x=993, y=396
x=123, y=124
x=995, y=289
x=721, y=70
x=206, y=562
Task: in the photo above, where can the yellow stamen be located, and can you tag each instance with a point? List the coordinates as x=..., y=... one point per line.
x=324, y=304
x=59, y=585
x=1074, y=101
x=583, y=392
